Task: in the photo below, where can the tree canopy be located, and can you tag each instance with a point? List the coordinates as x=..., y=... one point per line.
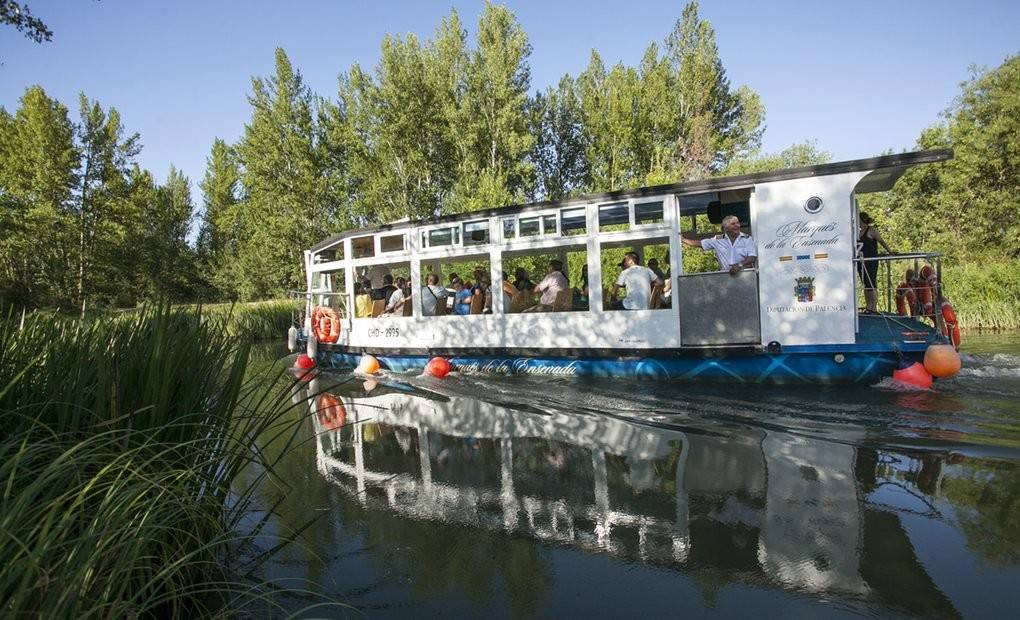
x=441, y=125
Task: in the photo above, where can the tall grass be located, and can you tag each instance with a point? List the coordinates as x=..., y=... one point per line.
x=260, y=320
x=986, y=294
x=122, y=440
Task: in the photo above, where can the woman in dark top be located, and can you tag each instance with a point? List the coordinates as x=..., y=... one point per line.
x=522, y=281
x=869, y=238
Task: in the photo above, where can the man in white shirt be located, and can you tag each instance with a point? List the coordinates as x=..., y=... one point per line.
x=733, y=249
x=638, y=281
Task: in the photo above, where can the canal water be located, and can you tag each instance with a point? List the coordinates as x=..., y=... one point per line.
x=553, y=497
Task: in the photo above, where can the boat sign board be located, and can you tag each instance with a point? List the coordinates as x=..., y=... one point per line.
x=806, y=244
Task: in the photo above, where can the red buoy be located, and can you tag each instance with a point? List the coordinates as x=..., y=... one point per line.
x=438, y=367
x=304, y=362
x=914, y=375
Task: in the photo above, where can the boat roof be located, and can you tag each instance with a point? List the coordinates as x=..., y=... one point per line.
x=886, y=169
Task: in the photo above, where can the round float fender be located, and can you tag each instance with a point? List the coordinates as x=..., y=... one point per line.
x=325, y=324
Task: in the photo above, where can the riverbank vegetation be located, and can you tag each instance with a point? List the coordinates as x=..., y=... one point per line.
x=124, y=439
x=442, y=125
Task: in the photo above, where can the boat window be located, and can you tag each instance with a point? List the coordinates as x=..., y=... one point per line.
x=459, y=287
x=330, y=281
x=549, y=224
x=509, y=228
x=476, y=233
x=648, y=213
x=530, y=226
x=573, y=221
x=363, y=247
x=329, y=254
x=374, y=289
x=440, y=237
x=702, y=215
x=641, y=294
x=527, y=270
x=391, y=243
x=614, y=217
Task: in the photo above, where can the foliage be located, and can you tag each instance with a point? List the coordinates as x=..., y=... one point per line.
x=263, y=320
x=14, y=14
x=968, y=207
x=985, y=296
x=438, y=126
x=123, y=440
x=286, y=207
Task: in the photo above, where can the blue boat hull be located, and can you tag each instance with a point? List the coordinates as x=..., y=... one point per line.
x=811, y=366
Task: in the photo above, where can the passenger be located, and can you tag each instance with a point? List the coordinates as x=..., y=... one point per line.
x=485, y=289
x=431, y=294
x=376, y=277
x=362, y=301
x=522, y=282
x=480, y=279
x=551, y=285
x=869, y=238
x=638, y=281
x=509, y=290
x=733, y=249
x=580, y=297
x=461, y=298
x=653, y=264
x=387, y=288
x=398, y=297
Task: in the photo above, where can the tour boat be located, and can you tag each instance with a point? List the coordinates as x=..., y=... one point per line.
x=792, y=318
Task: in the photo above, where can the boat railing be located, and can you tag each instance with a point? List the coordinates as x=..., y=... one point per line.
x=895, y=270
x=305, y=301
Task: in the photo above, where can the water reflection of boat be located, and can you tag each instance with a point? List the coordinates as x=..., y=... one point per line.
x=757, y=506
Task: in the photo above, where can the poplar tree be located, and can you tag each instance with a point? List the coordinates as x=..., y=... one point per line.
x=405, y=156
x=38, y=164
x=106, y=157
x=608, y=104
x=285, y=209
x=492, y=120
x=220, y=232
x=714, y=123
x=559, y=151
x=166, y=225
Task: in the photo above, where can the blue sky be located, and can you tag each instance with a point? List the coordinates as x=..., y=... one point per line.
x=858, y=77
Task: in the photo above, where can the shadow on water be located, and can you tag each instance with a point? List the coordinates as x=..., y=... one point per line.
x=521, y=496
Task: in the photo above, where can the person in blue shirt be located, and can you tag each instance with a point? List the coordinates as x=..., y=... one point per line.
x=461, y=297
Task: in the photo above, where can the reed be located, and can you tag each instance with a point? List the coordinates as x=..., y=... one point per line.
x=260, y=320
x=123, y=447
x=986, y=294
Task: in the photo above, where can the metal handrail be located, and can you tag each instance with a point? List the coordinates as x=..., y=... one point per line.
x=933, y=258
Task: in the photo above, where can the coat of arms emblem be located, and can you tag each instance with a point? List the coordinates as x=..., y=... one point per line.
x=804, y=289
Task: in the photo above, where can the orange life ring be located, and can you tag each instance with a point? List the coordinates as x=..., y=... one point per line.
x=906, y=301
x=330, y=411
x=951, y=326
x=325, y=324
x=924, y=290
